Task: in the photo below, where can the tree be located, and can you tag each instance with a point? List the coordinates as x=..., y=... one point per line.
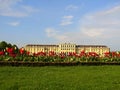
x=16, y=49
x=3, y=45
x=9, y=45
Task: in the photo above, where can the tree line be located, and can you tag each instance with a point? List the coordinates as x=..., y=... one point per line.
x=4, y=45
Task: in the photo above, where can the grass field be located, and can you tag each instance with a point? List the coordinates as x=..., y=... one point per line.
x=60, y=78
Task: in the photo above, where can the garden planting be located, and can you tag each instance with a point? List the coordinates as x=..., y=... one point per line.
x=14, y=56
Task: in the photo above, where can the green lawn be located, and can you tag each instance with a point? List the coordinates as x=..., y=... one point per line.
x=60, y=78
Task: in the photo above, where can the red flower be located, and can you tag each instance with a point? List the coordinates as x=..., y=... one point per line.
x=41, y=53
x=114, y=54
x=118, y=55
x=62, y=57
x=52, y=53
x=10, y=50
x=28, y=53
x=107, y=54
x=94, y=54
x=1, y=53
x=82, y=53
x=22, y=51
x=70, y=54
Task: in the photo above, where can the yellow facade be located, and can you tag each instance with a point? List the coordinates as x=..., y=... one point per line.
x=67, y=47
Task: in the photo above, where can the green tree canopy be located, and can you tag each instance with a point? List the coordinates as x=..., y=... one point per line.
x=4, y=44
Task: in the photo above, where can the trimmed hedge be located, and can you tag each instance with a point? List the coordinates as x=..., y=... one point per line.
x=21, y=63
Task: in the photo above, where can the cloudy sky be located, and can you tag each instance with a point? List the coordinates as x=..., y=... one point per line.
x=93, y=22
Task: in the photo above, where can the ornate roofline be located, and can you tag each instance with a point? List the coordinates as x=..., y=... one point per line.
x=58, y=45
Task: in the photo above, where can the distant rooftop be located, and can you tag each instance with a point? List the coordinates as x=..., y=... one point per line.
x=40, y=45
x=58, y=45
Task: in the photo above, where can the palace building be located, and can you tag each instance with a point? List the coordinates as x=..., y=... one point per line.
x=66, y=48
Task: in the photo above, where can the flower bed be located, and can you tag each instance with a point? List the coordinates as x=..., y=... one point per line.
x=13, y=57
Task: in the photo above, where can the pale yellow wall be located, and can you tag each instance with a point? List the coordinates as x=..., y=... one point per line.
x=99, y=50
x=37, y=48
x=66, y=47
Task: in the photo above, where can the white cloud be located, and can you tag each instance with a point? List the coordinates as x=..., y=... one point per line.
x=14, y=23
x=106, y=22
x=66, y=20
x=52, y=33
x=101, y=27
x=68, y=17
x=14, y=9
x=29, y=9
x=92, y=32
x=62, y=36
x=112, y=11
x=71, y=7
